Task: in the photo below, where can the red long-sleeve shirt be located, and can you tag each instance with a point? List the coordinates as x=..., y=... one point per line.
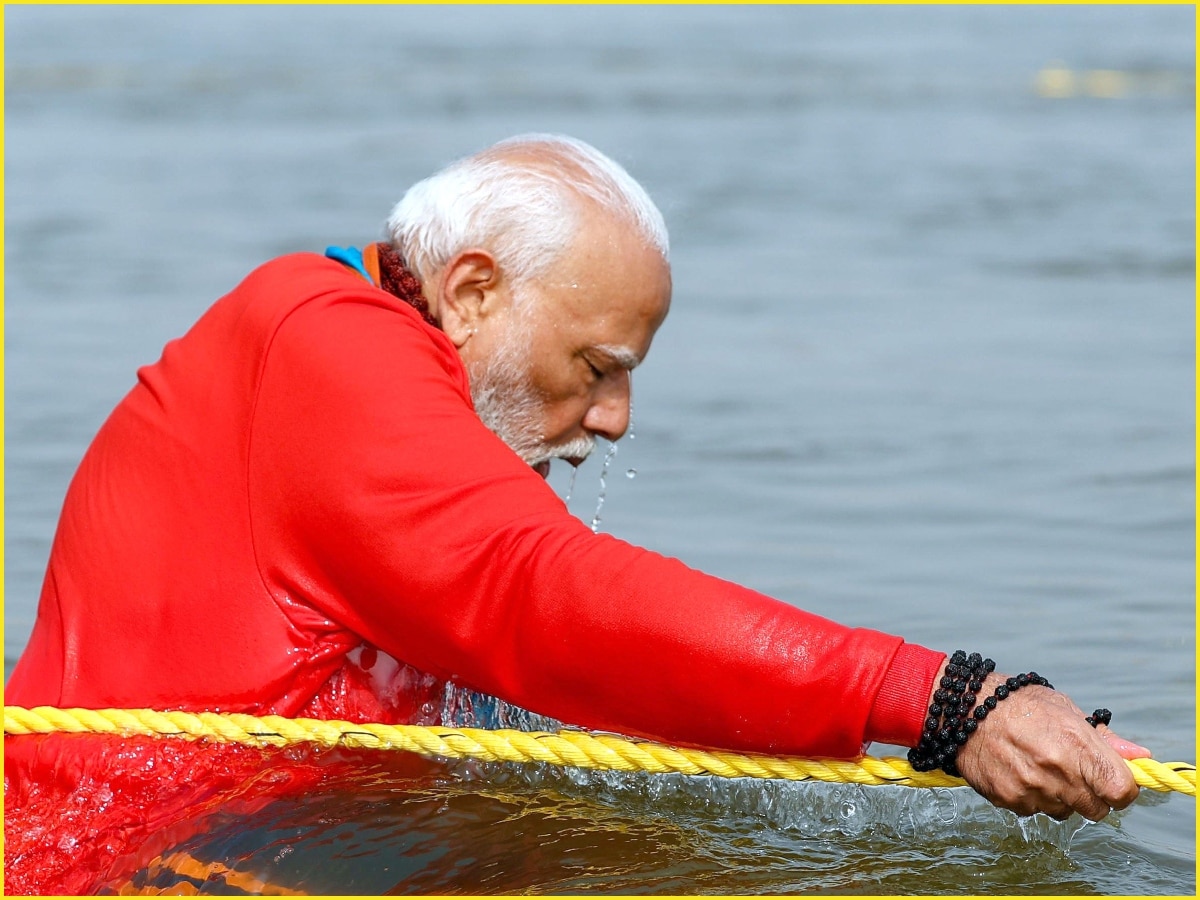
x=303, y=473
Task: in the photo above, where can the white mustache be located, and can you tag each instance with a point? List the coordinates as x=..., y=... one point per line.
x=579, y=448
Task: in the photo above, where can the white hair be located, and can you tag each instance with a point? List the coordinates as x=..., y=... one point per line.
x=519, y=199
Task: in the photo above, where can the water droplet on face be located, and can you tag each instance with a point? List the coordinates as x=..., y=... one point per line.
x=631, y=474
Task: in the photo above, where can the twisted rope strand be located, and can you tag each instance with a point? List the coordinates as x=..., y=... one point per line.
x=566, y=748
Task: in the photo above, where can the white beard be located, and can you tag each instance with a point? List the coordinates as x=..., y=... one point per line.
x=510, y=408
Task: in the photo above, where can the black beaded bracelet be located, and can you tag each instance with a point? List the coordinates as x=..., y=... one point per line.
x=949, y=725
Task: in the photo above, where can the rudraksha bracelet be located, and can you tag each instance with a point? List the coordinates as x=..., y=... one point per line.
x=949, y=724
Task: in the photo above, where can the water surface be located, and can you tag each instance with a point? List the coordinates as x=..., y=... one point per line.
x=929, y=368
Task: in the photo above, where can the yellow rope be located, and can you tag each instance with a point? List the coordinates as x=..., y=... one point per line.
x=583, y=749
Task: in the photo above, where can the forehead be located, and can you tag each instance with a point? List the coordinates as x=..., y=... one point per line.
x=610, y=292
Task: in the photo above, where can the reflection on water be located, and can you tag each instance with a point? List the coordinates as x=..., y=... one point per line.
x=533, y=829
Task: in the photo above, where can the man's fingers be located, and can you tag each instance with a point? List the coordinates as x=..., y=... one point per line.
x=1126, y=749
x=1091, y=806
x=1109, y=779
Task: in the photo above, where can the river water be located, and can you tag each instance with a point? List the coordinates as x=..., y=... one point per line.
x=929, y=368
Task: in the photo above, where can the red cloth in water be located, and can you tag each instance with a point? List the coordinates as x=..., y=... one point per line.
x=83, y=813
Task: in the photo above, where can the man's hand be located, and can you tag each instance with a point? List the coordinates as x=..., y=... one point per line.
x=1035, y=752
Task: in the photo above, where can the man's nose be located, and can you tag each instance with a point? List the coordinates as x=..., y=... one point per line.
x=608, y=416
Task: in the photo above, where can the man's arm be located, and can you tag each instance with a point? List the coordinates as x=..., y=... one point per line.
x=379, y=498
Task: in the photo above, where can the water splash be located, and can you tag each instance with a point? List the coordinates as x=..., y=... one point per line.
x=465, y=708
x=571, y=486
x=805, y=810
x=631, y=473
x=608, y=458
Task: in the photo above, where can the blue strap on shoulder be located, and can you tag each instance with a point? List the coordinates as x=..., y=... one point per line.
x=349, y=256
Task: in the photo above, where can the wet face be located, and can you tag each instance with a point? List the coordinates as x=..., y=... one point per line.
x=507, y=403
x=551, y=363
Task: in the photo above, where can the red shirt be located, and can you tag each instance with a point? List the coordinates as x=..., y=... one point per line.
x=303, y=474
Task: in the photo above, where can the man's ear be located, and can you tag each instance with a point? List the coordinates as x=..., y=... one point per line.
x=466, y=293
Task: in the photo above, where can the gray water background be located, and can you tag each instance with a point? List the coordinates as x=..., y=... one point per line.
x=930, y=363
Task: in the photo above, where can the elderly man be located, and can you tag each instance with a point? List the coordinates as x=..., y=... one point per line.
x=328, y=497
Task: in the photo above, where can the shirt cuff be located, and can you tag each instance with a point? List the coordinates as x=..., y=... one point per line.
x=898, y=713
